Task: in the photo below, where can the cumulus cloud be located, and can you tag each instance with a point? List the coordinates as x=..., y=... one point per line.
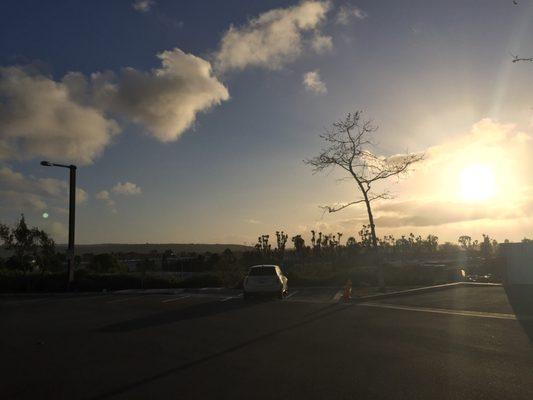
x=81, y=195
x=44, y=187
x=59, y=188
x=21, y=201
x=73, y=118
x=143, y=5
x=12, y=179
x=273, y=39
x=104, y=196
x=321, y=43
x=165, y=100
x=24, y=193
x=127, y=189
x=347, y=12
x=70, y=119
x=124, y=189
x=39, y=117
x=313, y=83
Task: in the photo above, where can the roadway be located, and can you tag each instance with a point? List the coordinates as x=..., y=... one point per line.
x=463, y=343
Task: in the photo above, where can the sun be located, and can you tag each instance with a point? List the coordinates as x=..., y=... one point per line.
x=477, y=183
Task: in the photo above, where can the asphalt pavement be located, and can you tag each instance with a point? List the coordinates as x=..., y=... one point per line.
x=460, y=343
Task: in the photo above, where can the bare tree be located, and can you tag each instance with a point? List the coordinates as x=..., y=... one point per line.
x=518, y=59
x=347, y=145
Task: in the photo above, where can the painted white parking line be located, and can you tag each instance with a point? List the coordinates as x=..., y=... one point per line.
x=290, y=295
x=175, y=299
x=123, y=300
x=464, y=313
x=337, y=296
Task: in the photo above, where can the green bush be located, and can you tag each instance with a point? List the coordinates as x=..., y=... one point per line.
x=86, y=281
x=328, y=274
x=409, y=276
x=198, y=281
x=18, y=281
x=308, y=274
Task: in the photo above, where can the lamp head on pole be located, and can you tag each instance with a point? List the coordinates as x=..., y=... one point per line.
x=46, y=163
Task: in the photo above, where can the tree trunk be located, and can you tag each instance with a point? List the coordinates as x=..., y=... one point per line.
x=377, y=260
x=371, y=221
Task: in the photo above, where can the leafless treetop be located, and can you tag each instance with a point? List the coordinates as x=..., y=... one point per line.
x=347, y=145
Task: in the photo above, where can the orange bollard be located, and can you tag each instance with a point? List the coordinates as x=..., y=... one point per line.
x=347, y=294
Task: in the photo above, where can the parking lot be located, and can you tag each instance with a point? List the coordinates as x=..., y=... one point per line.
x=464, y=342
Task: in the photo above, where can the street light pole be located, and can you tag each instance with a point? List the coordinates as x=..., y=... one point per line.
x=71, y=218
x=71, y=224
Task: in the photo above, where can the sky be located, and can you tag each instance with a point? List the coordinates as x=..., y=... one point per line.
x=189, y=120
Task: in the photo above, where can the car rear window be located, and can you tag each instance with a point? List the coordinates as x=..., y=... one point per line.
x=262, y=271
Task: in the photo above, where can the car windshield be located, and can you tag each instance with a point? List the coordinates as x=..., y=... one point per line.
x=262, y=271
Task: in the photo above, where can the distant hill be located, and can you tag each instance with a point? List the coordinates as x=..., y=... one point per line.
x=149, y=247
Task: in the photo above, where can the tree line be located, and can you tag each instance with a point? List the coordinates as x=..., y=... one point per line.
x=32, y=249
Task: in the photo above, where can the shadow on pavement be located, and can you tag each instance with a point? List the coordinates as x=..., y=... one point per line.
x=521, y=300
x=182, y=314
x=323, y=309
x=125, y=388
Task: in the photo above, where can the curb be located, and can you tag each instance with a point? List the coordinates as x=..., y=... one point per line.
x=425, y=289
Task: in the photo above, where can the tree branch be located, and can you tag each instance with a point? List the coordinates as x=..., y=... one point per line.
x=332, y=209
x=517, y=59
x=335, y=208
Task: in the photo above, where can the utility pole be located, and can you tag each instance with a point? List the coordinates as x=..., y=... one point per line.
x=71, y=225
x=71, y=218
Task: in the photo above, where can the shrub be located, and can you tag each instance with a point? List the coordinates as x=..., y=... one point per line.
x=86, y=281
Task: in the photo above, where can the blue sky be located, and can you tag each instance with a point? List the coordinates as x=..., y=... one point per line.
x=428, y=73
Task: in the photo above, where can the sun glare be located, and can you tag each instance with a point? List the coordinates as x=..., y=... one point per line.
x=477, y=183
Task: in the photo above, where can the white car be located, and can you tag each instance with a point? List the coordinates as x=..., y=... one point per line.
x=265, y=279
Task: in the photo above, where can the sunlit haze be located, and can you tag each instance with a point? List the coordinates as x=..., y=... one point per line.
x=477, y=183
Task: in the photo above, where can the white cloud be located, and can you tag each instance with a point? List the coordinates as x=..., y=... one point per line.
x=320, y=43
x=271, y=40
x=124, y=189
x=39, y=117
x=21, y=202
x=56, y=229
x=143, y=5
x=127, y=189
x=69, y=119
x=58, y=188
x=313, y=83
x=81, y=196
x=165, y=100
x=34, y=193
x=104, y=196
x=51, y=186
x=347, y=11
x=12, y=179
